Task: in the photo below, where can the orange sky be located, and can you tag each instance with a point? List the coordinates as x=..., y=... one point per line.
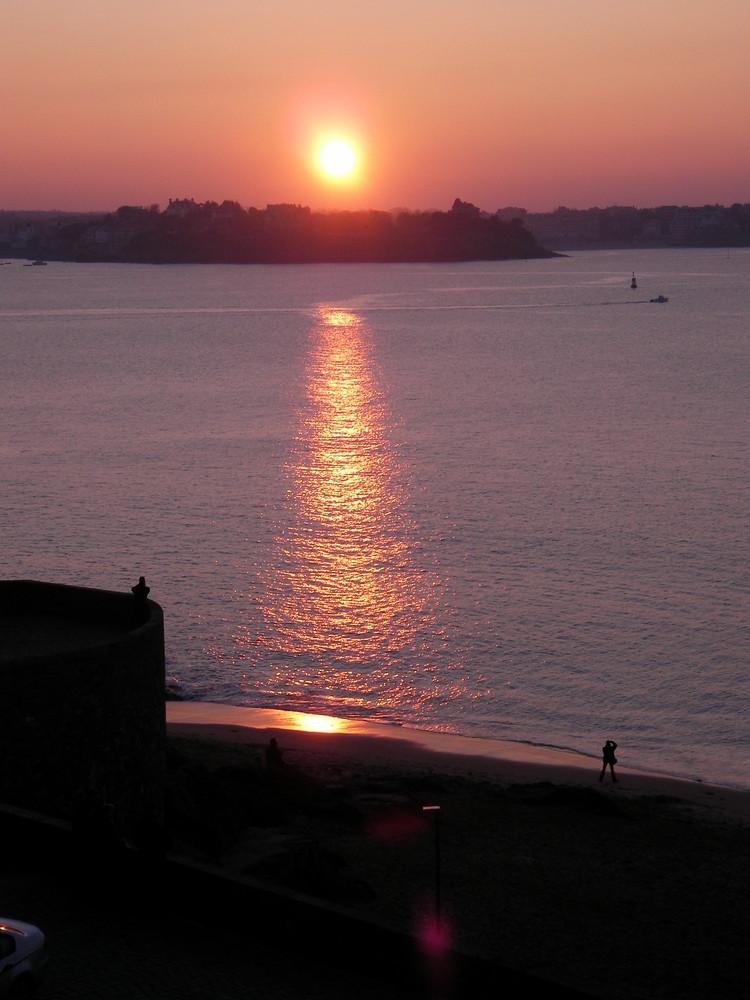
x=529, y=103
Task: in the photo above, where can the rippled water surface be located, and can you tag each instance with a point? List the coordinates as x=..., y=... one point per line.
x=500, y=499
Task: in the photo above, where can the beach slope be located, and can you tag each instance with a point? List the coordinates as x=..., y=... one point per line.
x=638, y=889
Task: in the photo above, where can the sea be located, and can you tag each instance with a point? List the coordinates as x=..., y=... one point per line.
x=506, y=500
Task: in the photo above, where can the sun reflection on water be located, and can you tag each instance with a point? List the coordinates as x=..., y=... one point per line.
x=347, y=605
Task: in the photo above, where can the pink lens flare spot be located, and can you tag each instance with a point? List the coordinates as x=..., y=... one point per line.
x=434, y=936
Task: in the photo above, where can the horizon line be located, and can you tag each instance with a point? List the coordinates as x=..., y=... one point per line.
x=156, y=206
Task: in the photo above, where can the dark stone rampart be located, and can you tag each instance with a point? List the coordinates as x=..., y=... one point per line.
x=87, y=717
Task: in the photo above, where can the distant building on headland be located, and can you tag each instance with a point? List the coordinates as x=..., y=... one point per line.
x=624, y=227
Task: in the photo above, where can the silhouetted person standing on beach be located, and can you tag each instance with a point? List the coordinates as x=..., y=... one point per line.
x=140, y=593
x=608, y=758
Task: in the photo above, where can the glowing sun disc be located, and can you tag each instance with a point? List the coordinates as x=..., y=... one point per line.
x=337, y=158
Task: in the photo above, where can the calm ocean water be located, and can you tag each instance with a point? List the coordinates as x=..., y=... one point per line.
x=499, y=499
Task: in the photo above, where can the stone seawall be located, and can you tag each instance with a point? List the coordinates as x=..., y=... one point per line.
x=81, y=700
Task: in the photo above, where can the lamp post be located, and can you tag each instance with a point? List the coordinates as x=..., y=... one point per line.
x=436, y=811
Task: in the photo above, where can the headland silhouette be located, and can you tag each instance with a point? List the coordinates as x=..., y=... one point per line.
x=209, y=233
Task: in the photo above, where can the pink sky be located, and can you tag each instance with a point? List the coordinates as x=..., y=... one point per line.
x=529, y=103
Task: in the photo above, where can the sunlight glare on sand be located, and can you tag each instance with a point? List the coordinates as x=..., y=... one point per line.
x=316, y=723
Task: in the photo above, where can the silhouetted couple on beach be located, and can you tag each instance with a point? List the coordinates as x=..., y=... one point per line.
x=609, y=759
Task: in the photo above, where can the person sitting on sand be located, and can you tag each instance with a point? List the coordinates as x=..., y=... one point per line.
x=274, y=760
x=608, y=757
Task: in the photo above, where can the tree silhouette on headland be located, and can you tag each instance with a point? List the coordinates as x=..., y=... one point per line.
x=208, y=233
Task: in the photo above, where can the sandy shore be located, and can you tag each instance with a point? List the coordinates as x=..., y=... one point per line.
x=501, y=761
x=639, y=889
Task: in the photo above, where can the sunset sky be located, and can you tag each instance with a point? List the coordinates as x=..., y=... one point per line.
x=528, y=103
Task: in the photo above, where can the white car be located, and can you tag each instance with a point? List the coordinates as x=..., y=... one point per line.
x=23, y=958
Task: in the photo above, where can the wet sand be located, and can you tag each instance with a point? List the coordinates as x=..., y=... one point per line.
x=639, y=889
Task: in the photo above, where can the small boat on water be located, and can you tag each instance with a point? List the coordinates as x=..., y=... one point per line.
x=633, y=283
x=660, y=298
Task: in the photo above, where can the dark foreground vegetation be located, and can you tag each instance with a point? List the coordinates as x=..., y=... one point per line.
x=190, y=233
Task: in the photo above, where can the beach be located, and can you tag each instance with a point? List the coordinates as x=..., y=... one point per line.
x=634, y=889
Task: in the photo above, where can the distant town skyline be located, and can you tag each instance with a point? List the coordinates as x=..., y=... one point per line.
x=503, y=211
x=506, y=212
x=539, y=105
x=211, y=232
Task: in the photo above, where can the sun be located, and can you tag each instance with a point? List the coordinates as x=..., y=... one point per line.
x=337, y=158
